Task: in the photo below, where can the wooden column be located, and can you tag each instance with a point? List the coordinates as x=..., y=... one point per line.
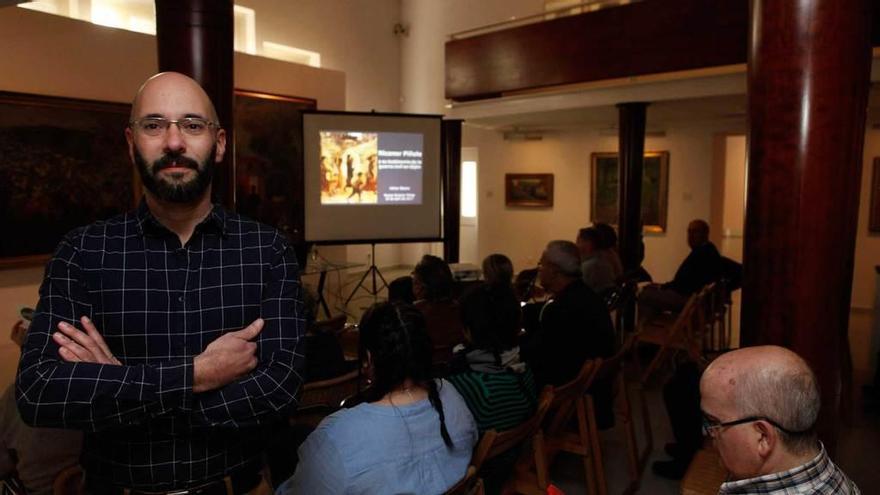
x=632, y=153
x=808, y=79
x=194, y=37
x=631, y=137
x=451, y=161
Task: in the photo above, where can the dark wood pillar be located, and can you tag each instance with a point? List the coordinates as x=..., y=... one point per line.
x=808, y=79
x=194, y=37
x=631, y=137
x=632, y=153
x=450, y=157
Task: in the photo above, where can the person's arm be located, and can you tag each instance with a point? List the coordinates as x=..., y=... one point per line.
x=321, y=468
x=271, y=387
x=53, y=392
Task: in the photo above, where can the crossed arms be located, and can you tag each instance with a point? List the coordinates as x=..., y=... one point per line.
x=70, y=378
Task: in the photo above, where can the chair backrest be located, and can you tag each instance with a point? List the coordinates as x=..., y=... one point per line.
x=330, y=392
x=469, y=485
x=493, y=443
x=566, y=395
x=333, y=326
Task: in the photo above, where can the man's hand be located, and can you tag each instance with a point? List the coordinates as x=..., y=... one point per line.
x=227, y=358
x=85, y=347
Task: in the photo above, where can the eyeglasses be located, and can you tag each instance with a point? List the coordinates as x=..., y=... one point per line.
x=157, y=126
x=711, y=427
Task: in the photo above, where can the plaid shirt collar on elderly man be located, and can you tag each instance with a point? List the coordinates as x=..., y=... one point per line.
x=819, y=476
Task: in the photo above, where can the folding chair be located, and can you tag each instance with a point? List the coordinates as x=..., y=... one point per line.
x=530, y=474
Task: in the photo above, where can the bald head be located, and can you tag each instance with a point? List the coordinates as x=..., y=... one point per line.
x=177, y=91
x=698, y=233
x=766, y=381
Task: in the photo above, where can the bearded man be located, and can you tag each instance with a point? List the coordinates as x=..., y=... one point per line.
x=170, y=334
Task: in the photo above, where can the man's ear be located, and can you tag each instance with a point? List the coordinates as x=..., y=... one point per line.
x=129, y=138
x=221, y=145
x=766, y=438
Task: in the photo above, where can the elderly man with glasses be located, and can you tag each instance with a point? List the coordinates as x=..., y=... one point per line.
x=760, y=406
x=169, y=334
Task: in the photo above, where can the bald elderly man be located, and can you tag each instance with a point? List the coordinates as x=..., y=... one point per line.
x=170, y=334
x=760, y=406
x=701, y=267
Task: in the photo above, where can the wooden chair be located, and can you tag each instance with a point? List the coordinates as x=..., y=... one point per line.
x=717, y=307
x=530, y=473
x=321, y=398
x=705, y=473
x=683, y=333
x=69, y=481
x=469, y=485
x=610, y=371
x=568, y=428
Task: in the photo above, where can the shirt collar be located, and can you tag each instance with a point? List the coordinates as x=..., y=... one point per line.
x=148, y=224
x=769, y=483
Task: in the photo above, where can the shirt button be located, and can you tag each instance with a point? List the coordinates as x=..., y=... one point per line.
x=180, y=299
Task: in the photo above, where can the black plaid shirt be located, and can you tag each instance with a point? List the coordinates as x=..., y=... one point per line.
x=158, y=304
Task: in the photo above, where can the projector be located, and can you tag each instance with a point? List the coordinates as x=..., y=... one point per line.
x=465, y=272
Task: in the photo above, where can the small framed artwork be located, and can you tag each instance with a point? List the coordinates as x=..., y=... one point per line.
x=655, y=189
x=531, y=190
x=874, y=214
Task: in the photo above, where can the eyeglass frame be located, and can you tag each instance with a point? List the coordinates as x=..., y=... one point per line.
x=711, y=426
x=134, y=125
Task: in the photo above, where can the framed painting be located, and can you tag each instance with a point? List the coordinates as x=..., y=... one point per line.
x=874, y=214
x=269, y=159
x=655, y=189
x=63, y=163
x=531, y=190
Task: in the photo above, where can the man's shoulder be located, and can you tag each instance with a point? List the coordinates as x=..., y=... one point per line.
x=96, y=233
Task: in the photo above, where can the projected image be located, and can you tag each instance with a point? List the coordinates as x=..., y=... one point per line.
x=371, y=167
x=349, y=169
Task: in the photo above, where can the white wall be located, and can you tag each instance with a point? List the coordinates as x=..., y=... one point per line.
x=354, y=36
x=522, y=233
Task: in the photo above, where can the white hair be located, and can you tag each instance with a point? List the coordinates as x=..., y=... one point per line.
x=565, y=255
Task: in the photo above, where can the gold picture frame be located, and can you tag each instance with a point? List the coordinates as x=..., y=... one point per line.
x=655, y=189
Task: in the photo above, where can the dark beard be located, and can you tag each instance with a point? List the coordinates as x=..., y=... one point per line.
x=176, y=193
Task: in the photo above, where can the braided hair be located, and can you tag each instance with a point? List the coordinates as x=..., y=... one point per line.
x=395, y=334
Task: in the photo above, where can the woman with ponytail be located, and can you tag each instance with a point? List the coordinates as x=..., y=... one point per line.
x=413, y=435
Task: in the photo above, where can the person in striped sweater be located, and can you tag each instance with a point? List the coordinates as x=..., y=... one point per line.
x=497, y=387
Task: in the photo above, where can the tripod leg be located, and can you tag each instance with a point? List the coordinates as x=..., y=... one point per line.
x=358, y=286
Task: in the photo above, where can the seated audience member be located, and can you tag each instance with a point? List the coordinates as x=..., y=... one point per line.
x=498, y=271
x=596, y=271
x=608, y=247
x=701, y=267
x=681, y=396
x=432, y=286
x=400, y=290
x=760, y=406
x=498, y=388
x=573, y=325
x=37, y=455
x=414, y=435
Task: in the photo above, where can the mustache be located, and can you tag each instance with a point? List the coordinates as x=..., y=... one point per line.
x=174, y=160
